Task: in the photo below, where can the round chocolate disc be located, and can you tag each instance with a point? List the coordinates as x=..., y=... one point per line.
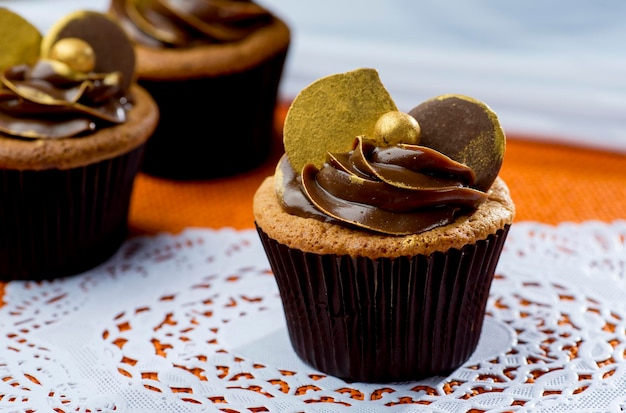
x=112, y=49
x=466, y=130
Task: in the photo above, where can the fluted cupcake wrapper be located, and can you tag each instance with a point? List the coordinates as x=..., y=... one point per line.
x=214, y=126
x=385, y=320
x=60, y=222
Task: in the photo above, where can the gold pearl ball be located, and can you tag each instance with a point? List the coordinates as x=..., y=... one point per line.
x=396, y=127
x=75, y=53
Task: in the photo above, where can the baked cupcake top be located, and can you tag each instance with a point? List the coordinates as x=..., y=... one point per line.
x=177, y=36
x=59, y=89
x=352, y=159
x=320, y=237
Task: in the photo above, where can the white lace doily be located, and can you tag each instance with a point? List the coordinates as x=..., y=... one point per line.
x=193, y=323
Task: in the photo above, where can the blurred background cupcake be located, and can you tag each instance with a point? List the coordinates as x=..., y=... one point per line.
x=214, y=69
x=73, y=125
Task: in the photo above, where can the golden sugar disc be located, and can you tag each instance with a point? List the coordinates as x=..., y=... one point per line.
x=112, y=49
x=19, y=40
x=328, y=114
x=466, y=130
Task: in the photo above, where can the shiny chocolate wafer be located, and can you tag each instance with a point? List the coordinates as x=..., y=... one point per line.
x=466, y=130
x=112, y=50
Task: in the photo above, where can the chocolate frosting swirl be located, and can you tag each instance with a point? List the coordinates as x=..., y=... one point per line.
x=396, y=190
x=49, y=101
x=175, y=23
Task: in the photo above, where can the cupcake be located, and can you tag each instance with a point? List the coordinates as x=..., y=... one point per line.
x=384, y=248
x=213, y=68
x=73, y=125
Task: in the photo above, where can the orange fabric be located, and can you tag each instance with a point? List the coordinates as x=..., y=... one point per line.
x=553, y=183
x=549, y=183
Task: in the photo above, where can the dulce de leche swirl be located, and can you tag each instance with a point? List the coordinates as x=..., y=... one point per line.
x=49, y=101
x=171, y=24
x=397, y=190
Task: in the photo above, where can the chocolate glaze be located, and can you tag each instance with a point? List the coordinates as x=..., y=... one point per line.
x=182, y=24
x=398, y=190
x=70, y=106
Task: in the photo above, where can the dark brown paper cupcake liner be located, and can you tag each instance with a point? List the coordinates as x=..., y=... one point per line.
x=214, y=126
x=385, y=320
x=55, y=222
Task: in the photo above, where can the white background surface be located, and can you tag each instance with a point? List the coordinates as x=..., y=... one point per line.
x=551, y=69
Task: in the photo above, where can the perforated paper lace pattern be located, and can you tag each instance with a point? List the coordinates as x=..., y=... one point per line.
x=193, y=323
